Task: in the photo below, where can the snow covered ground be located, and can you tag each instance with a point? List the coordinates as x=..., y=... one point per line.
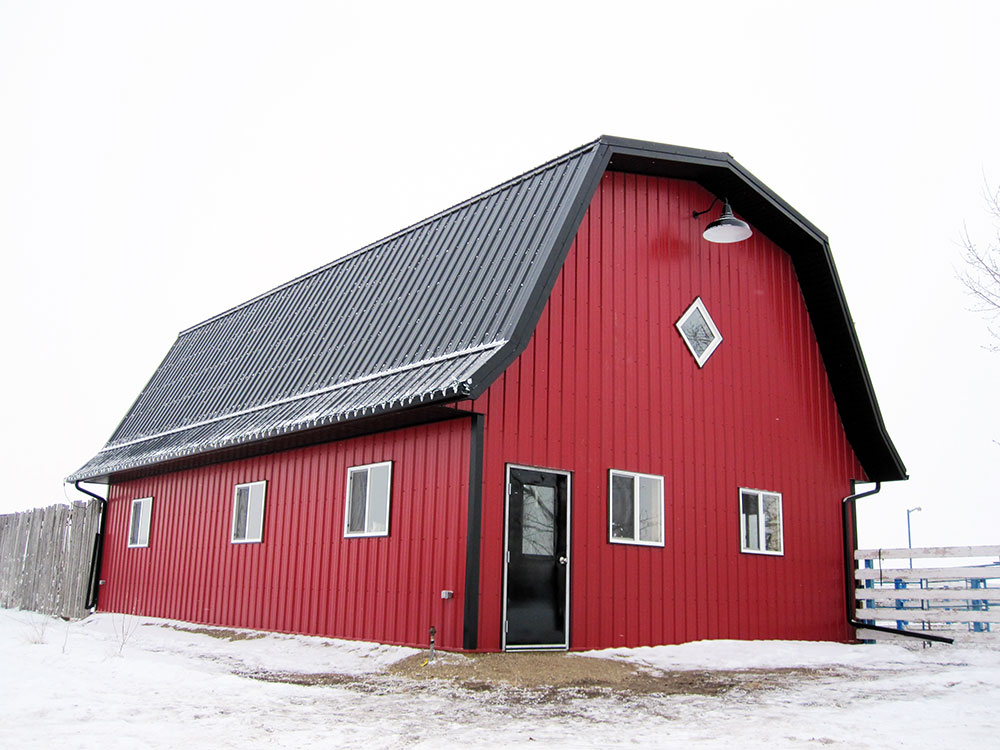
x=111, y=681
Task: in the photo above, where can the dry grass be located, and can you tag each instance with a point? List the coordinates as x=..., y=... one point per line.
x=224, y=634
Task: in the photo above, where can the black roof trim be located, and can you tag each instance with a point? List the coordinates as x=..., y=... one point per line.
x=808, y=248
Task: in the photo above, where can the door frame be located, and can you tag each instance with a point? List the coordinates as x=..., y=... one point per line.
x=506, y=557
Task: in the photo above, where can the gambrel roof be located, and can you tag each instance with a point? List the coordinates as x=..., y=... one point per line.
x=433, y=313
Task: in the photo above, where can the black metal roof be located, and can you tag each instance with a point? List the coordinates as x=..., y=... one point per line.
x=436, y=311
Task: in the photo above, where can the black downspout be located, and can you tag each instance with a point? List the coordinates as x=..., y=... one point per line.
x=97, y=556
x=850, y=524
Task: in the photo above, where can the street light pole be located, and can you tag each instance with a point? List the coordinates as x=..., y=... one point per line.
x=909, y=538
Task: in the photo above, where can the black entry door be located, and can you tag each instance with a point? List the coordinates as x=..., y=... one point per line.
x=537, y=573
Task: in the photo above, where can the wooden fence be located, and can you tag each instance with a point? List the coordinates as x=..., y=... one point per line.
x=949, y=591
x=45, y=558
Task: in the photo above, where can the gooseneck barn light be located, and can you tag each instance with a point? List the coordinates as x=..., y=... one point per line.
x=727, y=228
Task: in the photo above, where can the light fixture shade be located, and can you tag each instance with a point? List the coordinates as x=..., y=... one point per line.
x=727, y=228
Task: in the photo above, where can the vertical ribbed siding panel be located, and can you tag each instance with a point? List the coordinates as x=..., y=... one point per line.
x=320, y=530
x=167, y=593
x=312, y=477
x=332, y=530
x=230, y=595
x=302, y=560
x=305, y=577
x=275, y=556
x=385, y=576
x=420, y=565
x=204, y=570
x=217, y=509
x=107, y=598
x=113, y=560
x=340, y=570
x=284, y=526
x=408, y=616
x=167, y=589
x=606, y=382
x=197, y=559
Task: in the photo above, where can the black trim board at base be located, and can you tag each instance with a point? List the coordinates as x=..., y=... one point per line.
x=470, y=630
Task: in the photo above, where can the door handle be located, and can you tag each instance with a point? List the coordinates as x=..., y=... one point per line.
x=562, y=560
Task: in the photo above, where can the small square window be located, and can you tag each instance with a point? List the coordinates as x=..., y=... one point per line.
x=368, y=493
x=636, y=508
x=248, y=512
x=699, y=332
x=138, y=529
x=760, y=522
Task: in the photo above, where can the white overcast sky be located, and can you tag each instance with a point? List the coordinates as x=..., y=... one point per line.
x=161, y=162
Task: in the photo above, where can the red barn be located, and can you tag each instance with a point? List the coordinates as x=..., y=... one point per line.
x=552, y=416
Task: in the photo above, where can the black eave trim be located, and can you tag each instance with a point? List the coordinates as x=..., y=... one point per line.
x=470, y=630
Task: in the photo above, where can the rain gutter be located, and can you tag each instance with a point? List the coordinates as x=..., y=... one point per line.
x=850, y=522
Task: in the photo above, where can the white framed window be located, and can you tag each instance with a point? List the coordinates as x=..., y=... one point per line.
x=635, y=508
x=699, y=332
x=369, y=489
x=248, y=512
x=138, y=527
x=760, y=522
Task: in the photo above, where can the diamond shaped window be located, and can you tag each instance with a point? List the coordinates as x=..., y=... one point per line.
x=699, y=332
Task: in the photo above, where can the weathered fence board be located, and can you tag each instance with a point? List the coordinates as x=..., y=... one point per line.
x=902, y=553
x=45, y=558
x=943, y=600
x=962, y=637
x=913, y=594
x=929, y=615
x=920, y=574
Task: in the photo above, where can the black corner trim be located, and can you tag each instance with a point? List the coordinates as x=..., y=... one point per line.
x=470, y=630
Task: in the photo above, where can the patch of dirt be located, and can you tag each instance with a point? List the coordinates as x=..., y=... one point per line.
x=319, y=678
x=558, y=671
x=548, y=677
x=221, y=633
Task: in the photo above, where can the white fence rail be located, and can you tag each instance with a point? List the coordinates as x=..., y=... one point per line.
x=960, y=601
x=45, y=557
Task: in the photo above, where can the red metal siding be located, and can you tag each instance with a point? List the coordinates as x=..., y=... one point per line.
x=305, y=577
x=607, y=382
